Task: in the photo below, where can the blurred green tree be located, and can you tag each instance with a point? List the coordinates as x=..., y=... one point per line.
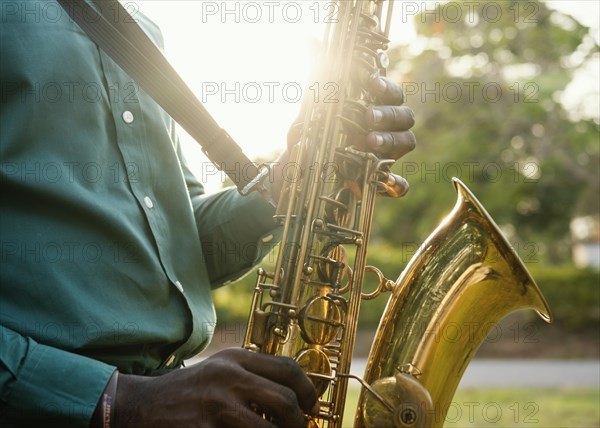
x=485, y=80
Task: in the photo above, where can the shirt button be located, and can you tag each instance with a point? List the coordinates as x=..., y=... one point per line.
x=267, y=239
x=127, y=117
x=179, y=286
x=148, y=202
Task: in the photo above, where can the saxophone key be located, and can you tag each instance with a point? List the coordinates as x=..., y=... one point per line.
x=392, y=185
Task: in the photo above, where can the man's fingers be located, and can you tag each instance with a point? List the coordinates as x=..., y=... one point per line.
x=226, y=411
x=278, y=403
x=248, y=419
x=387, y=92
x=391, y=144
x=390, y=118
x=283, y=371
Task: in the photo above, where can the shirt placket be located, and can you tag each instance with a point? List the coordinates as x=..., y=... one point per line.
x=131, y=140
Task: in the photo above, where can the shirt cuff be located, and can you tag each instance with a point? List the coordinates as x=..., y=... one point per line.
x=55, y=387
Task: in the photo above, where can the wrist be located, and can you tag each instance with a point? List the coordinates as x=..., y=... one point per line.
x=129, y=400
x=104, y=413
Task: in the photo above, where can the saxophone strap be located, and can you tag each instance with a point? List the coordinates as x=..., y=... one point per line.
x=116, y=32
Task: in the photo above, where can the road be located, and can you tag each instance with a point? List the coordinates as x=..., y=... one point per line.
x=536, y=373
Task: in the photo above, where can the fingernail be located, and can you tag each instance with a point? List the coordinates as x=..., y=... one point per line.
x=378, y=140
x=377, y=115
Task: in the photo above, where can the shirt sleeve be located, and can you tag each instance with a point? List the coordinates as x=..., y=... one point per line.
x=41, y=385
x=236, y=232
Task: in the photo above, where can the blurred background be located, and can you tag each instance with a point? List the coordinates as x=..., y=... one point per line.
x=506, y=97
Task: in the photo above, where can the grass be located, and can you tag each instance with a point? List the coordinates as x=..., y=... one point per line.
x=518, y=407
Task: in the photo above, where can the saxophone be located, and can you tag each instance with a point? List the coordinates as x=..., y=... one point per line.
x=307, y=306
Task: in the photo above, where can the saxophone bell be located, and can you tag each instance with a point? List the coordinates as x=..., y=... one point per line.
x=464, y=279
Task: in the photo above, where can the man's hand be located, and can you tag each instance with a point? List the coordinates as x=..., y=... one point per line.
x=225, y=390
x=389, y=123
x=388, y=135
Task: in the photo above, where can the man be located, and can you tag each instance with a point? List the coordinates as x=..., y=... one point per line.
x=110, y=247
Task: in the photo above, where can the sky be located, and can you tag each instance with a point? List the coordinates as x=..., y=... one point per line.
x=250, y=62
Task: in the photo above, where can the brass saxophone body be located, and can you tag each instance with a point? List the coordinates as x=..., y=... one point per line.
x=307, y=307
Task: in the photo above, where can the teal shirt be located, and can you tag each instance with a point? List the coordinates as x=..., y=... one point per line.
x=109, y=247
